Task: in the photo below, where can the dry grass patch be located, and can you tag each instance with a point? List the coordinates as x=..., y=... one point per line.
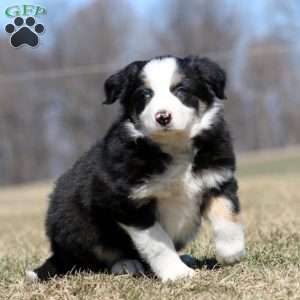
x=271, y=270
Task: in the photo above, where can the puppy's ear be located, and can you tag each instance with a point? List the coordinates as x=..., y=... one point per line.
x=117, y=86
x=209, y=71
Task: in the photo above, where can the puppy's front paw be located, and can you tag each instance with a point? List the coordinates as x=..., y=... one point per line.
x=230, y=253
x=230, y=243
x=174, y=272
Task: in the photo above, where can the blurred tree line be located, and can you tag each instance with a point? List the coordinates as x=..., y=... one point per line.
x=48, y=118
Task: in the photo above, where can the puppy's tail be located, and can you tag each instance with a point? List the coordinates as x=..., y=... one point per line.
x=46, y=271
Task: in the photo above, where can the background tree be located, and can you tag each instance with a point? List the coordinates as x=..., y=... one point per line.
x=51, y=97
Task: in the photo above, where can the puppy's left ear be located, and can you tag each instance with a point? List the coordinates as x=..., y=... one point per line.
x=209, y=71
x=117, y=86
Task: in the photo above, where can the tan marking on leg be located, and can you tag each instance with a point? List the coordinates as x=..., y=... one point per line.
x=220, y=207
x=227, y=228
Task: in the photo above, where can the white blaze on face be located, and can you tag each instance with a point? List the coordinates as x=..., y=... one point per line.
x=160, y=75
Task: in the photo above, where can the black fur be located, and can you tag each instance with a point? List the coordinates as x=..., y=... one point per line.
x=206, y=71
x=93, y=196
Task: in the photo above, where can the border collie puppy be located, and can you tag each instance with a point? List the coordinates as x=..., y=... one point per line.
x=139, y=195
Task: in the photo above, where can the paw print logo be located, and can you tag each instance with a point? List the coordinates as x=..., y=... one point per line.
x=24, y=33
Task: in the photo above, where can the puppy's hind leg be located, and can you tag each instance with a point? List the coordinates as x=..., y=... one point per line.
x=47, y=270
x=55, y=265
x=127, y=266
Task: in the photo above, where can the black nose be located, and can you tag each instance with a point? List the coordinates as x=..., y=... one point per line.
x=163, y=117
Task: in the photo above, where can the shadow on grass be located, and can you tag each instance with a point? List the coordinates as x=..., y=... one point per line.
x=195, y=263
x=190, y=261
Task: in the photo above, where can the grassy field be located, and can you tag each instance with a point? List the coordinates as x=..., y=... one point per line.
x=270, y=198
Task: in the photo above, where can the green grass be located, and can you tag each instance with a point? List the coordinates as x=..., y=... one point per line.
x=271, y=270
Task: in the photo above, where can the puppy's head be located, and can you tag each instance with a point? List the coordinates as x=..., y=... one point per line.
x=168, y=94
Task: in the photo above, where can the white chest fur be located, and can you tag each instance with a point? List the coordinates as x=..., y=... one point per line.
x=179, y=203
x=179, y=194
x=178, y=198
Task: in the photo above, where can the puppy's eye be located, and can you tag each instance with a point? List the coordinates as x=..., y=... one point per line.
x=147, y=94
x=144, y=94
x=180, y=91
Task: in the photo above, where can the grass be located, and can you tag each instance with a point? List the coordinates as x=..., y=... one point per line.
x=271, y=204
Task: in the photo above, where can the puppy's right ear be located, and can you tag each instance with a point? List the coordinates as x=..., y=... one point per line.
x=118, y=85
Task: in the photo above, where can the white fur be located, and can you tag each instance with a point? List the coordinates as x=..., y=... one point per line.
x=229, y=238
x=178, y=194
x=158, y=250
x=127, y=266
x=177, y=205
x=31, y=277
x=208, y=118
x=133, y=132
x=160, y=75
x=212, y=178
x=178, y=191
